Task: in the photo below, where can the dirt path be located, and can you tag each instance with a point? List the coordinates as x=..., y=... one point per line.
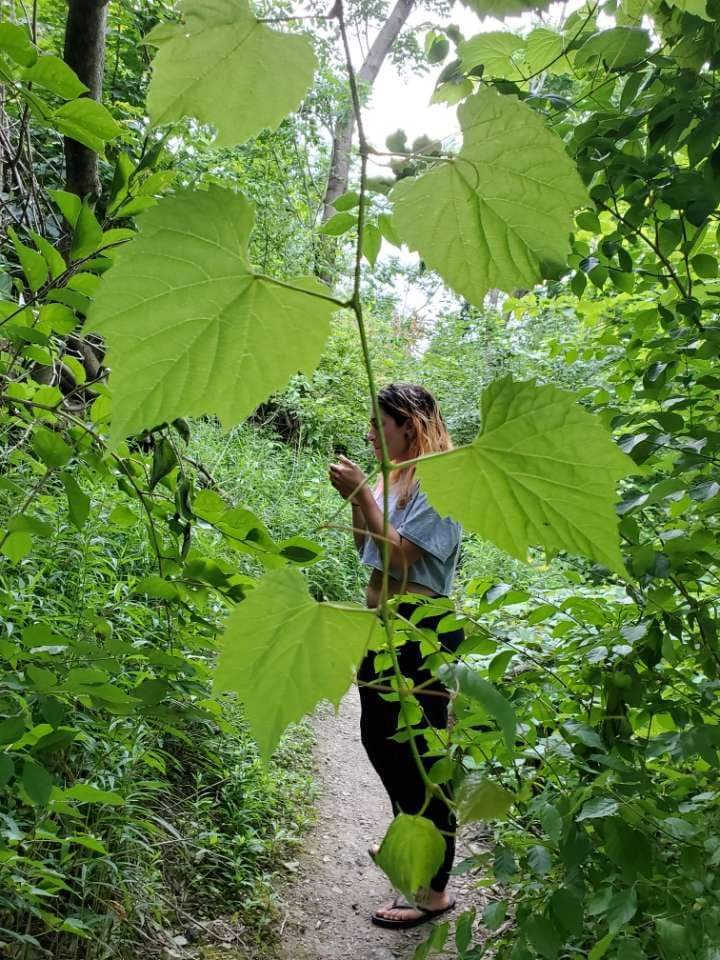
x=337, y=885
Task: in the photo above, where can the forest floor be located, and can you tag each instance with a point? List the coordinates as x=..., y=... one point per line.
x=336, y=886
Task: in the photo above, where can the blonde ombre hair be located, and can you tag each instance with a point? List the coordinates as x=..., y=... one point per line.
x=414, y=407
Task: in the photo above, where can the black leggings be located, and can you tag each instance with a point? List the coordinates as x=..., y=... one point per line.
x=393, y=761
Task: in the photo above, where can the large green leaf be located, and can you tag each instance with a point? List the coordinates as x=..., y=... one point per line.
x=411, y=853
x=191, y=328
x=494, y=51
x=86, y=121
x=542, y=471
x=500, y=214
x=544, y=51
x=698, y=8
x=614, y=48
x=223, y=66
x=55, y=75
x=505, y=8
x=470, y=683
x=283, y=652
x=481, y=799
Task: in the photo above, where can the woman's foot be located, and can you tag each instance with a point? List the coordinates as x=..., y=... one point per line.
x=400, y=913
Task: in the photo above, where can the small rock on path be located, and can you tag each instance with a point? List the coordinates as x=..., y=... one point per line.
x=337, y=885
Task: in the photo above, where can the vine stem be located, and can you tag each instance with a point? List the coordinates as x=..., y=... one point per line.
x=386, y=464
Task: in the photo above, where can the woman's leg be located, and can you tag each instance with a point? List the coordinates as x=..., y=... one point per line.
x=394, y=762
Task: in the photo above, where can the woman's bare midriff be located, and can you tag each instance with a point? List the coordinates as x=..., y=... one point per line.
x=374, y=588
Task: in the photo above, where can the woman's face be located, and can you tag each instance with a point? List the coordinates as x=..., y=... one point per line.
x=396, y=438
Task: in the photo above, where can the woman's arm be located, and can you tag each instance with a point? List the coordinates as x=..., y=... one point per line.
x=359, y=525
x=403, y=553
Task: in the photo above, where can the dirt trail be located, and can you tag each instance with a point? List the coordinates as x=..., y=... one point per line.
x=337, y=885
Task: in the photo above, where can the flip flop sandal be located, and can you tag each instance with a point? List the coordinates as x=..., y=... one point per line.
x=425, y=915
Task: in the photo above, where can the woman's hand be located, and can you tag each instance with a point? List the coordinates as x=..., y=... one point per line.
x=346, y=477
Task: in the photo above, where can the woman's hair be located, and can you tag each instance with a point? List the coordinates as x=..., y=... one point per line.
x=412, y=404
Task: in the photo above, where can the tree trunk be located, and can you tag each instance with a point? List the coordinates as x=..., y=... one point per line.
x=85, y=53
x=342, y=141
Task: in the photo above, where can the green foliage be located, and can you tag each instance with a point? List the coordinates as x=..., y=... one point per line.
x=411, y=853
x=157, y=327
x=506, y=486
x=586, y=717
x=499, y=214
x=317, y=646
x=225, y=48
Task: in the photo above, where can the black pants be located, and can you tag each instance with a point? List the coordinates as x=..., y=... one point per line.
x=393, y=761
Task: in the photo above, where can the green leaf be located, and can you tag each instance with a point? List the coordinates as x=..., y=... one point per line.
x=88, y=235
x=544, y=51
x=348, y=201
x=122, y=516
x=17, y=546
x=481, y=799
x=69, y=205
x=500, y=215
x=32, y=263
x=88, y=122
x=338, y=224
x=37, y=782
x=222, y=47
x=622, y=909
x=435, y=941
x=499, y=664
x=371, y=241
x=629, y=848
x=614, y=48
x=705, y=266
x=492, y=701
x=156, y=587
x=242, y=528
x=630, y=949
x=673, y=940
x=601, y=947
x=598, y=807
x=567, y=912
x=411, y=853
x=56, y=76
x=7, y=769
x=11, y=729
x=494, y=51
x=188, y=322
x=86, y=793
x=51, y=448
x=494, y=914
x=164, y=460
x=78, y=501
x=53, y=258
x=15, y=42
x=539, y=859
x=300, y=550
x=543, y=936
x=551, y=822
x=505, y=8
x=283, y=652
x=541, y=471
x=698, y=8
x=385, y=225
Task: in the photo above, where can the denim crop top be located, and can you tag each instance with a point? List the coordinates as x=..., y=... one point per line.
x=438, y=537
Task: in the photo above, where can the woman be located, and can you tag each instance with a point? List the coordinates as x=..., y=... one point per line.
x=424, y=549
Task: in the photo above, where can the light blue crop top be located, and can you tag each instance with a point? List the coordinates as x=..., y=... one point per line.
x=438, y=537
